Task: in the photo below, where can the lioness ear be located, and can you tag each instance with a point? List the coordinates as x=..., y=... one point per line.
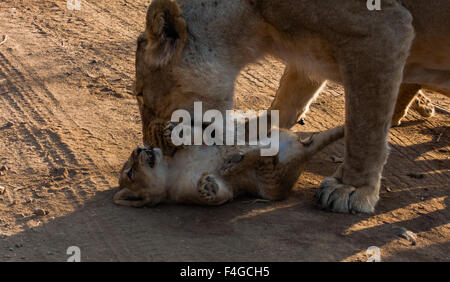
x=165, y=31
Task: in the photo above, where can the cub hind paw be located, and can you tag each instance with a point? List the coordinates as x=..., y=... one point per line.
x=208, y=188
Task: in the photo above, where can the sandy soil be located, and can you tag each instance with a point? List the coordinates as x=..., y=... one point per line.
x=68, y=121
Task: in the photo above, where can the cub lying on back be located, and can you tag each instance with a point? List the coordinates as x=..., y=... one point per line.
x=213, y=175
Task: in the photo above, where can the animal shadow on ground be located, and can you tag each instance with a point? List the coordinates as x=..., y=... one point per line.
x=290, y=230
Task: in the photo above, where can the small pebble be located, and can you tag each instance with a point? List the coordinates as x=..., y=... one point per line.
x=416, y=176
x=40, y=212
x=8, y=124
x=4, y=168
x=2, y=190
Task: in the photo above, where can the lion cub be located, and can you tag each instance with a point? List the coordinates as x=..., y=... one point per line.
x=213, y=175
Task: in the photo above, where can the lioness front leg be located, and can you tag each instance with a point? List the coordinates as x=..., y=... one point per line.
x=212, y=192
x=372, y=71
x=295, y=95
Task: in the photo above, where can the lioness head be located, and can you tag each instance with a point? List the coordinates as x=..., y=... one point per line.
x=181, y=59
x=142, y=179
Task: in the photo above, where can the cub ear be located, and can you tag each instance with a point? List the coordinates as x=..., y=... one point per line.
x=165, y=31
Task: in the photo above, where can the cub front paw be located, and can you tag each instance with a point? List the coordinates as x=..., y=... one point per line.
x=169, y=145
x=167, y=132
x=208, y=188
x=341, y=198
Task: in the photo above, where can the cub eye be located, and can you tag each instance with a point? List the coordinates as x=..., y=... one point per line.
x=130, y=173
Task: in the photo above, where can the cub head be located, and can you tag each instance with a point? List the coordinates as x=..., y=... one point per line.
x=176, y=66
x=142, y=179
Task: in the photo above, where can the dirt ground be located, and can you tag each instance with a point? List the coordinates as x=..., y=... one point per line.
x=68, y=122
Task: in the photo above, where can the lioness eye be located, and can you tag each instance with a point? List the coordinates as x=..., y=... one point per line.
x=130, y=174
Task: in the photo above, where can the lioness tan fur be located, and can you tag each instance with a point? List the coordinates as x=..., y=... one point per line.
x=213, y=175
x=194, y=50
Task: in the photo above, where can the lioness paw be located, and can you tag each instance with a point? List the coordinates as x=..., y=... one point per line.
x=208, y=188
x=341, y=198
x=423, y=105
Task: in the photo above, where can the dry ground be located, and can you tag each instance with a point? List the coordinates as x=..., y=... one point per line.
x=68, y=121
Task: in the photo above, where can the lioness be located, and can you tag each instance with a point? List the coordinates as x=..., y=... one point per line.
x=194, y=50
x=213, y=175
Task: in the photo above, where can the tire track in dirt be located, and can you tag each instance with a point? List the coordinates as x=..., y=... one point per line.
x=108, y=28
x=28, y=106
x=46, y=116
x=31, y=131
x=21, y=100
x=95, y=227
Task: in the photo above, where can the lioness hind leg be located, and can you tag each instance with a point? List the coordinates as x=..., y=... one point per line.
x=294, y=96
x=406, y=96
x=411, y=97
x=372, y=71
x=211, y=192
